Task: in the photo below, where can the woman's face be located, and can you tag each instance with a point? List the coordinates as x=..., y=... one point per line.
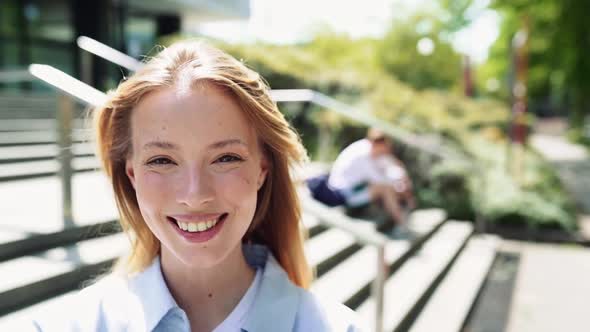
x=196, y=168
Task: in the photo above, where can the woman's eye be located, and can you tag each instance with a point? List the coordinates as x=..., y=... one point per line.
x=228, y=158
x=159, y=161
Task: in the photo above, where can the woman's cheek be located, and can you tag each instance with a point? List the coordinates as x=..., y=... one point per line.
x=238, y=184
x=155, y=184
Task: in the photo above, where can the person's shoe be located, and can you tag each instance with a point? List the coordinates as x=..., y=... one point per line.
x=402, y=232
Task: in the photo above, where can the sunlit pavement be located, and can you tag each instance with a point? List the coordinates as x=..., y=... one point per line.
x=572, y=163
x=552, y=291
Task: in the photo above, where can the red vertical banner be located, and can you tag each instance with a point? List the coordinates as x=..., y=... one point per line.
x=519, y=89
x=467, y=77
x=519, y=123
x=519, y=126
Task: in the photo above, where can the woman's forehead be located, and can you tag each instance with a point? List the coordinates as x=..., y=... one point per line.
x=205, y=114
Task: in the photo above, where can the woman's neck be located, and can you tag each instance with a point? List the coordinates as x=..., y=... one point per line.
x=207, y=296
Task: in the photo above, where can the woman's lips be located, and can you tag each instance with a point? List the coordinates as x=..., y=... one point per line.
x=200, y=236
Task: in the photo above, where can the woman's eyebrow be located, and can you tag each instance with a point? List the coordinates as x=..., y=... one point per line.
x=171, y=146
x=161, y=145
x=224, y=143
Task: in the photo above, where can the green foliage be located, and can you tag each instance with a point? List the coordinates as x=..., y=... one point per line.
x=9, y=15
x=535, y=196
x=580, y=135
x=449, y=188
x=399, y=56
x=456, y=12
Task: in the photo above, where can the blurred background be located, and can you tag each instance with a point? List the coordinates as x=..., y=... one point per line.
x=487, y=103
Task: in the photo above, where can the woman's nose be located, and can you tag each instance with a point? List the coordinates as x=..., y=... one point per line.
x=195, y=188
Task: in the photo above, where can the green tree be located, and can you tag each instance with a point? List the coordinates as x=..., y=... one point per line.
x=559, y=69
x=571, y=44
x=455, y=12
x=399, y=55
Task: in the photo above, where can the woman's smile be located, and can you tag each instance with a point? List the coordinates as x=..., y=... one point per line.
x=198, y=229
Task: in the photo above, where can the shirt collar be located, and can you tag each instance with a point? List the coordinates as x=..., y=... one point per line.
x=277, y=301
x=155, y=298
x=274, y=307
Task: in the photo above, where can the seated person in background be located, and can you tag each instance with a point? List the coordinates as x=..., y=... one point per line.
x=365, y=172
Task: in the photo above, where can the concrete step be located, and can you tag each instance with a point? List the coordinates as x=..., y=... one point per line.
x=36, y=169
x=349, y=281
x=29, y=245
x=27, y=109
x=33, y=206
x=21, y=320
x=448, y=307
x=329, y=248
x=37, y=124
x=16, y=154
x=31, y=137
x=409, y=287
x=8, y=96
x=350, y=278
x=312, y=225
x=29, y=279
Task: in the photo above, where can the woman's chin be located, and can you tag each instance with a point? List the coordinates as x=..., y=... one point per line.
x=205, y=258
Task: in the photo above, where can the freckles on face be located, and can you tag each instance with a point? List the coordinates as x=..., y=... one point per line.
x=238, y=184
x=195, y=154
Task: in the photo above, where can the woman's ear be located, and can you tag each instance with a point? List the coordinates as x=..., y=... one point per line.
x=130, y=172
x=263, y=171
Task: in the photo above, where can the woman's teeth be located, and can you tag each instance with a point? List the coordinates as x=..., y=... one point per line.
x=196, y=227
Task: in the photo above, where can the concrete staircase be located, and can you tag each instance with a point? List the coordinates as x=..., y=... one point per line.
x=28, y=136
x=433, y=280
x=28, y=149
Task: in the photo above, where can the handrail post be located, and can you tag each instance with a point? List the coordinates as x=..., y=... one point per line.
x=379, y=241
x=379, y=288
x=65, y=112
x=480, y=222
x=85, y=67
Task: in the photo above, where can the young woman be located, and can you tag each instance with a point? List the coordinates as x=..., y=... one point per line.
x=199, y=158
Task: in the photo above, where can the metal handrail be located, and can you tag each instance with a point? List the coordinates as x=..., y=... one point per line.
x=106, y=52
x=68, y=84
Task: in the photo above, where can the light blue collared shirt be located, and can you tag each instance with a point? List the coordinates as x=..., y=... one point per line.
x=144, y=303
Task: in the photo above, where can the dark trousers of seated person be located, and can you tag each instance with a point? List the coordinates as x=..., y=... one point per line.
x=373, y=212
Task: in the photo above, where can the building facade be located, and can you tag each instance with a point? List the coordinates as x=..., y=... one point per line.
x=45, y=31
